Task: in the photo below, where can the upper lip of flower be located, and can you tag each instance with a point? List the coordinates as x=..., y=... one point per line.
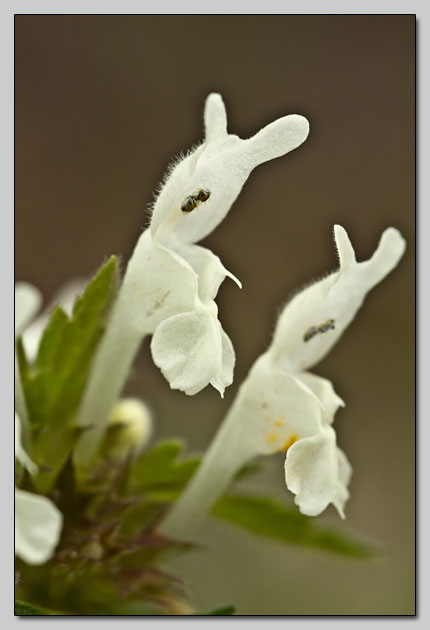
x=220, y=165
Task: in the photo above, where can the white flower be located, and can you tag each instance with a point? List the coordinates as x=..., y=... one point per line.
x=169, y=292
x=281, y=407
x=171, y=283
x=38, y=521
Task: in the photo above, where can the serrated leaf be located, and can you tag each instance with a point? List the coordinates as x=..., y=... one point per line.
x=24, y=608
x=53, y=386
x=51, y=339
x=269, y=518
x=160, y=474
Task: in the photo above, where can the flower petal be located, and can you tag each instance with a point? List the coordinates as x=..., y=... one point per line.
x=391, y=248
x=215, y=118
x=159, y=283
x=274, y=140
x=208, y=267
x=312, y=473
x=188, y=349
x=221, y=165
x=27, y=302
x=38, y=525
x=312, y=322
x=325, y=393
x=272, y=411
x=344, y=473
x=224, y=377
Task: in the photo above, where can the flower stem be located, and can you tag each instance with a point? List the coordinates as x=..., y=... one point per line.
x=221, y=462
x=111, y=365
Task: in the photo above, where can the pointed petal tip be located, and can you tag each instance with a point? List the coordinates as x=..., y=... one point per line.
x=340, y=512
x=219, y=388
x=233, y=277
x=344, y=247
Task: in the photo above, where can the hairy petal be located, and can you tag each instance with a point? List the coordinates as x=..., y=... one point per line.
x=276, y=139
x=312, y=322
x=215, y=118
x=221, y=165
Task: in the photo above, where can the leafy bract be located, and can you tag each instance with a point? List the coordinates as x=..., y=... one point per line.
x=267, y=517
x=160, y=474
x=54, y=384
x=163, y=473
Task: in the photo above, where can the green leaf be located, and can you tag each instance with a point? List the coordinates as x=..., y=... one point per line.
x=24, y=608
x=266, y=517
x=160, y=474
x=53, y=386
x=225, y=610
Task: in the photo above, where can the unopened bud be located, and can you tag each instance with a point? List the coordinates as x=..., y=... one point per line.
x=129, y=429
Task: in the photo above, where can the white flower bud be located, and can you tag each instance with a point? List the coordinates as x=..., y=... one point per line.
x=129, y=429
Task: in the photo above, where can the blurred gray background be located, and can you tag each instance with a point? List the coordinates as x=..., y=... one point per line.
x=102, y=105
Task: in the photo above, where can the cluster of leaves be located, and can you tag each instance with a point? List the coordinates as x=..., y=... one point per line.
x=54, y=383
x=110, y=557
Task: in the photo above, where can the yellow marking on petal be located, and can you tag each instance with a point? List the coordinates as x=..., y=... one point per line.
x=271, y=437
x=282, y=417
x=161, y=264
x=278, y=423
x=267, y=417
x=290, y=442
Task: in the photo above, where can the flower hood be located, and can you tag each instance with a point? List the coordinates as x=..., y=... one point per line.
x=220, y=165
